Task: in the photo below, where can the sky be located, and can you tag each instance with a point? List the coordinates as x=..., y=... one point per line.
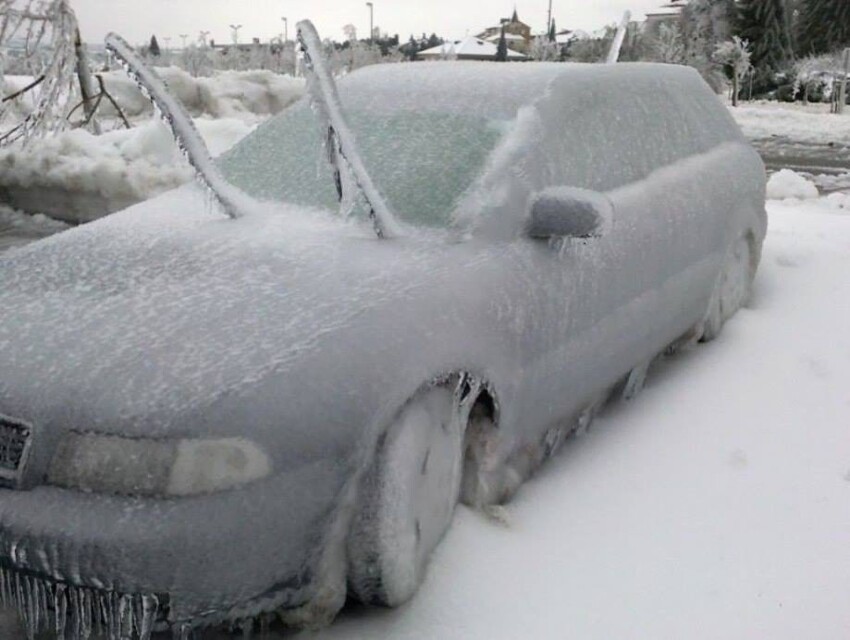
x=136, y=20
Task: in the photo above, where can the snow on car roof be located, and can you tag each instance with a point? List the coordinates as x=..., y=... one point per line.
x=489, y=90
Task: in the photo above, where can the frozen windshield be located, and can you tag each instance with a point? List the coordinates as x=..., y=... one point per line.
x=421, y=161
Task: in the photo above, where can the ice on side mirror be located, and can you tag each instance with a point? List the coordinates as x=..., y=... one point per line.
x=569, y=212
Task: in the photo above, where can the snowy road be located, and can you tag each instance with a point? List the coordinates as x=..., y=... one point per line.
x=715, y=505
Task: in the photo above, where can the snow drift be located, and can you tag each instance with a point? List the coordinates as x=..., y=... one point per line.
x=76, y=176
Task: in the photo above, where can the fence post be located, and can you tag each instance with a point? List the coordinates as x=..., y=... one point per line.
x=842, y=87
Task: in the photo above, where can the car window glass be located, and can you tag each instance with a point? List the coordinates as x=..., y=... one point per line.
x=608, y=134
x=421, y=161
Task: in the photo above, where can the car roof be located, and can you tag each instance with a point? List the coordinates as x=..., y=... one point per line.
x=491, y=90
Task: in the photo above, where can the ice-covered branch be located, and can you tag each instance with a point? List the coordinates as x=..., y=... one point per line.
x=233, y=201
x=45, y=29
x=342, y=150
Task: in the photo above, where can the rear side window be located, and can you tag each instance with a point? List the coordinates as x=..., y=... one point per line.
x=617, y=130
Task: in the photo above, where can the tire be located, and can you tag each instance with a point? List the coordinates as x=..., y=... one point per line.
x=408, y=499
x=731, y=291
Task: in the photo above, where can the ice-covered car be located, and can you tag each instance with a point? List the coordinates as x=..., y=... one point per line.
x=206, y=419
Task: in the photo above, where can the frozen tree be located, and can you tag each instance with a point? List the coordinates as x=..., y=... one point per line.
x=669, y=46
x=350, y=32
x=764, y=24
x=734, y=56
x=544, y=49
x=591, y=49
x=823, y=26
x=196, y=60
x=153, y=48
x=40, y=38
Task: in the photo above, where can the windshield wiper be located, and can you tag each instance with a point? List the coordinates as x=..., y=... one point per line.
x=233, y=201
x=340, y=141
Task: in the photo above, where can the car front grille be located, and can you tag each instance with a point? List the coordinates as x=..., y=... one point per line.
x=14, y=446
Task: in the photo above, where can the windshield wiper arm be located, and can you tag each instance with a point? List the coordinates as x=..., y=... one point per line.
x=341, y=147
x=233, y=201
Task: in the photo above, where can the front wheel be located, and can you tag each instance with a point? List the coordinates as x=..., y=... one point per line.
x=409, y=497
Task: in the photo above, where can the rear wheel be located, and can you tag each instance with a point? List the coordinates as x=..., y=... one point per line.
x=409, y=497
x=731, y=291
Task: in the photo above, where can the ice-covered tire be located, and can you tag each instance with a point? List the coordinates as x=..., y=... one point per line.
x=731, y=290
x=408, y=499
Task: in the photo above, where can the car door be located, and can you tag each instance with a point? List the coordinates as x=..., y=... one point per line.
x=610, y=303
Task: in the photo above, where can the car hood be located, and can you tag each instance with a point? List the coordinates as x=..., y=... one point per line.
x=166, y=307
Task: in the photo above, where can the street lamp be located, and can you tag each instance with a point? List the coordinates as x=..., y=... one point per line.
x=371, y=22
x=183, y=37
x=202, y=39
x=167, y=44
x=285, y=30
x=235, y=32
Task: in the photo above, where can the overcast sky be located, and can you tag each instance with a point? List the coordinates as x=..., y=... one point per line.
x=138, y=19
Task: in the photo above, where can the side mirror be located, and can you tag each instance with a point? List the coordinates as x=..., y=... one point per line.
x=569, y=212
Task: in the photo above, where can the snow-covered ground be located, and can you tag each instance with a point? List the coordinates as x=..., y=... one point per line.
x=811, y=124
x=715, y=505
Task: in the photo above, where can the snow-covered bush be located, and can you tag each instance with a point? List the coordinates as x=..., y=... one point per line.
x=816, y=76
x=224, y=94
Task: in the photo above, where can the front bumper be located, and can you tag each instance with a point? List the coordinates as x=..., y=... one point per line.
x=198, y=560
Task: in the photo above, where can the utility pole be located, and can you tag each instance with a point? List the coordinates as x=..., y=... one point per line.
x=371, y=23
x=235, y=32
x=167, y=44
x=842, y=87
x=184, y=37
x=285, y=30
x=549, y=20
x=202, y=39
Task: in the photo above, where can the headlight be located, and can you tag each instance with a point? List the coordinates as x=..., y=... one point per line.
x=140, y=467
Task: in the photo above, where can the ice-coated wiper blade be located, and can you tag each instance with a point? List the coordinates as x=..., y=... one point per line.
x=342, y=151
x=232, y=200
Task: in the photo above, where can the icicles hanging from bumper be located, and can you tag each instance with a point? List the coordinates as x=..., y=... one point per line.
x=76, y=613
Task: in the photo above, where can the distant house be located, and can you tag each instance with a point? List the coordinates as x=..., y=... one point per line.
x=517, y=33
x=670, y=16
x=469, y=48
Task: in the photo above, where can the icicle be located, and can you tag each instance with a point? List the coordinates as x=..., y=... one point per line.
x=60, y=610
x=30, y=608
x=76, y=612
x=182, y=631
x=85, y=614
x=125, y=617
x=5, y=591
x=18, y=591
x=147, y=619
